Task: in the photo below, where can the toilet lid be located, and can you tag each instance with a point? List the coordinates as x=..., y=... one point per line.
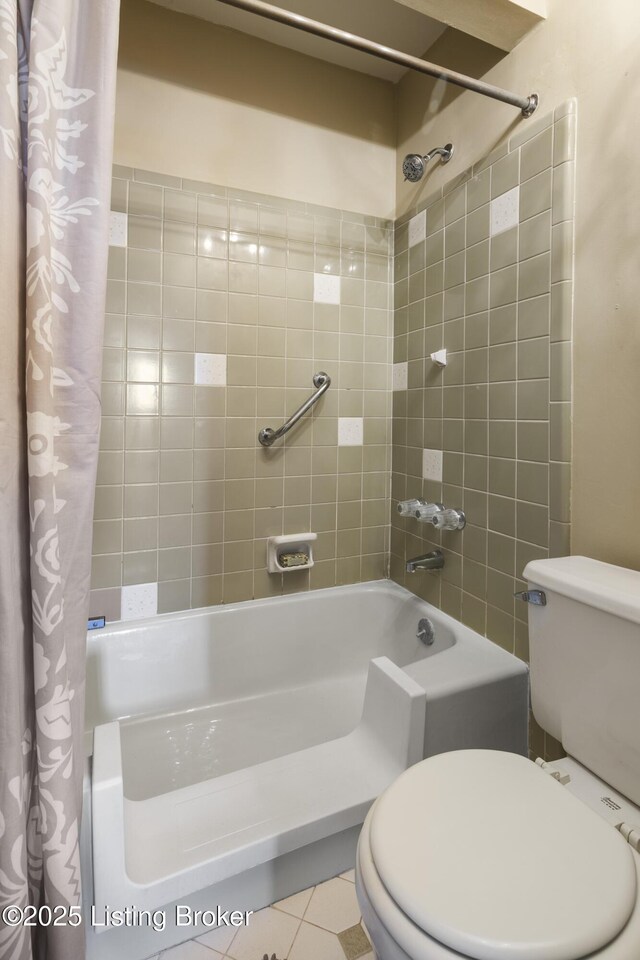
x=495, y=859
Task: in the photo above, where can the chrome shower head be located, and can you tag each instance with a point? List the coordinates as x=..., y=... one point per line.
x=414, y=165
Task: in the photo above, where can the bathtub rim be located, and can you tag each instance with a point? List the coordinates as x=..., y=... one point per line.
x=465, y=638
x=123, y=627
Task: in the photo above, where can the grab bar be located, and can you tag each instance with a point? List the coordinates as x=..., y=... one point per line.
x=268, y=435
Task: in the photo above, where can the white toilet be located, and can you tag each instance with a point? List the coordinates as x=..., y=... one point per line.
x=486, y=855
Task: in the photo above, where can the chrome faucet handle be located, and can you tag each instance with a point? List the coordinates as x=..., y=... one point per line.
x=449, y=520
x=427, y=512
x=407, y=508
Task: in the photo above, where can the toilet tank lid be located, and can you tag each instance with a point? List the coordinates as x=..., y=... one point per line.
x=604, y=586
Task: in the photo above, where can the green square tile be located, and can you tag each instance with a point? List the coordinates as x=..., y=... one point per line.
x=533, y=400
x=533, y=482
x=535, y=195
x=505, y=174
x=502, y=401
x=532, y=523
x=533, y=317
x=502, y=515
x=533, y=358
x=504, y=249
x=502, y=477
x=536, y=154
x=535, y=236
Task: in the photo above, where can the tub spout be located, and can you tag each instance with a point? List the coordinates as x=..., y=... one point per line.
x=428, y=561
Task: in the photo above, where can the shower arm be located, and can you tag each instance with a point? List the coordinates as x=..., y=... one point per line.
x=444, y=152
x=527, y=105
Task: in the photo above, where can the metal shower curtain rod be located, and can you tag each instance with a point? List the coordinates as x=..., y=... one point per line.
x=527, y=105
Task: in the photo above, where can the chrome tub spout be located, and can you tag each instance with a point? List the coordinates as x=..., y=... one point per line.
x=428, y=561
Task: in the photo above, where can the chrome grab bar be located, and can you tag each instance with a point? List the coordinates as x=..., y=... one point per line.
x=268, y=435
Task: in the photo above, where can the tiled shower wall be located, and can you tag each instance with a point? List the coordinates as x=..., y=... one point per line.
x=221, y=307
x=485, y=270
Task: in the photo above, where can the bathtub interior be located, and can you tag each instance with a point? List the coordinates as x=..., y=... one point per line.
x=228, y=739
x=183, y=840
x=225, y=690
x=167, y=751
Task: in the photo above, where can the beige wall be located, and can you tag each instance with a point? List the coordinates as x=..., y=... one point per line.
x=207, y=103
x=589, y=50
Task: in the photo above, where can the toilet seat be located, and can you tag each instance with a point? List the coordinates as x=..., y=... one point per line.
x=482, y=855
x=395, y=937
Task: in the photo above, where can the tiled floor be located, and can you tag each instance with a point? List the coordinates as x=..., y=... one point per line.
x=322, y=923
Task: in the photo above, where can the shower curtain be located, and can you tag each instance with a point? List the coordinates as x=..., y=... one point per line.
x=57, y=90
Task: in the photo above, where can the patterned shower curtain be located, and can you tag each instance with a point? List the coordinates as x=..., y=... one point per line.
x=57, y=90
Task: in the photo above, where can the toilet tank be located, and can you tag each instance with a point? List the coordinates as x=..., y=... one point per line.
x=585, y=664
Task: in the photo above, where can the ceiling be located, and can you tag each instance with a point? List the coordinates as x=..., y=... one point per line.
x=386, y=21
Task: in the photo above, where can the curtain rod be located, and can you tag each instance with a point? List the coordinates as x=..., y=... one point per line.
x=527, y=105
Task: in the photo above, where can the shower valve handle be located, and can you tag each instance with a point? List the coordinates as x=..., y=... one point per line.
x=449, y=520
x=407, y=508
x=427, y=512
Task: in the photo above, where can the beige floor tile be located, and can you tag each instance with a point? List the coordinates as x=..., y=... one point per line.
x=296, y=904
x=349, y=875
x=269, y=931
x=219, y=939
x=312, y=943
x=192, y=950
x=333, y=905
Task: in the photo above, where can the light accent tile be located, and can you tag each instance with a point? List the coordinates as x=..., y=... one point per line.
x=296, y=904
x=400, y=375
x=117, y=229
x=334, y=905
x=269, y=931
x=139, y=600
x=350, y=431
x=417, y=228
x=349, y=875
x=326, y=288
x=312, y=943
x=210, y=369
x=505, y=211
x=432, y=465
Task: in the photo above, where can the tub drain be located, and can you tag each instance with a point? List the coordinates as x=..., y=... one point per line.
x=426, y=631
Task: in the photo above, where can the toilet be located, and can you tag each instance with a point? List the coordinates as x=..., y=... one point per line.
x=486, y=855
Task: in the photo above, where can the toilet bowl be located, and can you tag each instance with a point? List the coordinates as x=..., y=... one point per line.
x=485, y=855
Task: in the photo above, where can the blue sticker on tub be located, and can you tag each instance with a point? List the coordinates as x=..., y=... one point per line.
x=95, y=623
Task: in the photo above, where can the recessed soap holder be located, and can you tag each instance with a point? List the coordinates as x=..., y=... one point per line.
x=293, y=551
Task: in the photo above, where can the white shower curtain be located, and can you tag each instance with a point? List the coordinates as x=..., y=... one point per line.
x=57, y=89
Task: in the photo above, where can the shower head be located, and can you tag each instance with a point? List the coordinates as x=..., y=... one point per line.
x=414, y=165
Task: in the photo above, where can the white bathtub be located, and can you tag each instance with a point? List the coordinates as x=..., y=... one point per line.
x=237, y=749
